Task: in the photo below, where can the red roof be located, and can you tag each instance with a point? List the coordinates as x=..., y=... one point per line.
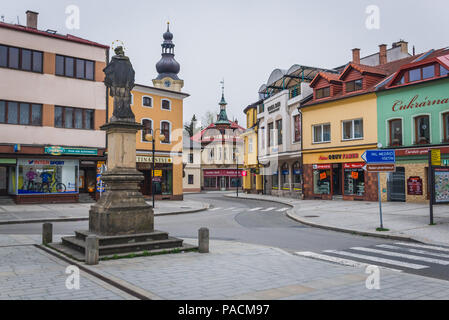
x=330, y=77
x=198, y=137
x=363, y=69
x=67, y=37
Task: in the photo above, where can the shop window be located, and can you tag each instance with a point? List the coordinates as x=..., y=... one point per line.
x=20, y=113
x=353, y=129
x=354, y=85
x=321, y=133
x=270, y=134
x=275, y=181
x=166, y=104
x=322, y=181
x=354, y=181
x=422, y=130
x=165, y=130
x=443, y=71
x=47, y=176
x=147, y=102
x=297, y=181
x=74, y=118
x=297, y=126
x=322, y=93
x=210, y=182
x=147, y=129
x=446, y=127
x=236, y=182
x=285, y=173
x=74, y=67
x=190, y=178
x=395, y=127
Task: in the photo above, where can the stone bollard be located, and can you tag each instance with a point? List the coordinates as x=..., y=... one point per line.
x=203, y=240
x=47, y=233
x=92, y=250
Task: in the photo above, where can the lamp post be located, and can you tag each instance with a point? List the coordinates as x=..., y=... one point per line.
x=150, y=137
x=237, y=172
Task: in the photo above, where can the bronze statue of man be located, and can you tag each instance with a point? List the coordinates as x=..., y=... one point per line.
x=119, y=79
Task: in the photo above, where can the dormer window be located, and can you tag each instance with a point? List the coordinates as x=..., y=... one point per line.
x=443, y=71
x=355, y=85
x=322, y=93
x=428, y=72
x=401, y=81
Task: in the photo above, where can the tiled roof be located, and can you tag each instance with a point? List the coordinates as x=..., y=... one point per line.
x=326, y=75
x=363, y=69
x=67, y=37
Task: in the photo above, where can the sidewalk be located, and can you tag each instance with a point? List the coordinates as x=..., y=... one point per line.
x=34, y=213
x=406, y=221
x=231, y=271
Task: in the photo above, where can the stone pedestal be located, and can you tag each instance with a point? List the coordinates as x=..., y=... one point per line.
x=122, y=209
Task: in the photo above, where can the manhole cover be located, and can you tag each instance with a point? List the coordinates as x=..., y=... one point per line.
x=311, y=216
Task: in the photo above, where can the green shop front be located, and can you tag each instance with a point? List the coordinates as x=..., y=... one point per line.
x=412, y=120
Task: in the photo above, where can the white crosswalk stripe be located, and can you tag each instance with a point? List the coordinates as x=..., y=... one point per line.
x=255, y=209
x=342, y=261
x=215, y=209
x=387, y=246
x=268, y=209
x=231, y=208
x=282, y=210
x=378, y=259
x=237, y=209
x=423, y=246
x=402, y=255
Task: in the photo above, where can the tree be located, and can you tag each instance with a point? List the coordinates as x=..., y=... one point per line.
x=191, y=127
x=208, y=118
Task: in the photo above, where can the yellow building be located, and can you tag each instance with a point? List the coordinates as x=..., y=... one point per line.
x=252, y=179
x=160, y=111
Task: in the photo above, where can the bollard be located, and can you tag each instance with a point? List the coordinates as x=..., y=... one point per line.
x=203, y=240
x=47, y=233
x=92, y=250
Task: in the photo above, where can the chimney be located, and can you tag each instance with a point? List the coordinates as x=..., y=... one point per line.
x=356, y=55
x=403, y=44
x=382, y=54
x=32, y=19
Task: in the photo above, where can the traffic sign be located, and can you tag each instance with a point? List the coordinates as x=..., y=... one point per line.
x=379, y=156
x=387, y=167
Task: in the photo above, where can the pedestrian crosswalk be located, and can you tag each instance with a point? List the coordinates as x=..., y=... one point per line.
x=399, y=256
x=240, y=209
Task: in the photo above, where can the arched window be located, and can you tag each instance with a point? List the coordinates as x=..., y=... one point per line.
x=147, y=102
x=165, y=130
x=147, y=128
x=166, y=104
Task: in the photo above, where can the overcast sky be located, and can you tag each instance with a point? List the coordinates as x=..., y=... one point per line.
x=242, y=41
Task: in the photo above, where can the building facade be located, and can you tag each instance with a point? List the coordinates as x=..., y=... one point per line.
x=159, y=108
x=413, y=117
x=51, y=110
x=192, y=165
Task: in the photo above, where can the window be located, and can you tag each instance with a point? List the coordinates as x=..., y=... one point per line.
x=279, y=131
x=147, y=102
x=270, y=134
x=210, y=182
x=26, y=59
x=414, y=75
x=297, y=181
x=354, y=179
x=322, y=181
x=322, y=93
x=13, y=58
x=428, y=72
x=353, y=129
x=445, y=127
x=401, y=80
x=322, y=133
x=219, y=153
x=261, y=108
x=190, y=178
x=250, y=145
x=285, y=184
x=165, y=130
x=422, y=130
x=443, y=71
x=74, y=67
x=275, y=181
x=262, y=138
x=166, y=104
x=190, y=157
x=22, y=113
x=395, y=132
x=74, y=118
x=297, y=126
x=354, y=85
x=21, y=59
x=211, y=154
x=3, y=56
x=147, y=129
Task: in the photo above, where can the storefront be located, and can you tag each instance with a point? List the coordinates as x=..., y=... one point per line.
x=286, y=181
x=222, y=179
x=340, y=175
x=162, y=177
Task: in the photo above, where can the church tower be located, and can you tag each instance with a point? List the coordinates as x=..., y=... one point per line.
x=168, y=68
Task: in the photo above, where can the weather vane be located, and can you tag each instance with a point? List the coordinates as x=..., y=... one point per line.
x=222, y=85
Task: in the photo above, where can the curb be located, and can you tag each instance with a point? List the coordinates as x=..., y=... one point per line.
x=266, y=200
x=28, y=221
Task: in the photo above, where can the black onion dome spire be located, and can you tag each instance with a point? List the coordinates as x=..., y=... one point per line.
x=168, y=66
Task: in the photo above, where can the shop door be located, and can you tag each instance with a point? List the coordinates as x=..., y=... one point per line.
x=223, y=183
x=145, y=184
x=396, y=185
x=82, y=181
x=336, y=180
x=3, y=181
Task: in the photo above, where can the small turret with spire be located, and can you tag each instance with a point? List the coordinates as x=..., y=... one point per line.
x=222, y=117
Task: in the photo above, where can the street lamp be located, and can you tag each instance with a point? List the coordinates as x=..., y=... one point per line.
x=237, y=171
x=150, y=137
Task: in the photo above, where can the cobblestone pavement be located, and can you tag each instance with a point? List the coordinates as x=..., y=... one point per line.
x=242, y=271
x=28, y=273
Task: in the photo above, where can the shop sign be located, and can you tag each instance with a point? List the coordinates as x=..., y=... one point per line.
x=414, y=186
x=355, y=175
x=435, y=157
x=441, y=176
x=45, y=162
x=417, y=102
x=244, y=173
x=221, y=172
x=149, y=159
x=355, y=165
x=57, y=151
x=7, y=161
x=339, y=156
x=323, y=175
x=321, y=166
x=388, y=167
x=418, y=151
x=157, y=173
x=285, y=172
x=297, y=171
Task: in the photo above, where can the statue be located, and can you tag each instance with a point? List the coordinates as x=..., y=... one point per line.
x=119, y=78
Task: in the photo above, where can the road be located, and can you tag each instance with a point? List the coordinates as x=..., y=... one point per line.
x=266, y=223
